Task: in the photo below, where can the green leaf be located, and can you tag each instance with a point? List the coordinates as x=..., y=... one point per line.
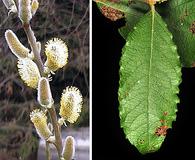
x=138, y=9
x=118, y=6
x=124, y=31
x=180, y=22
x=150, y=73
x=133, y=11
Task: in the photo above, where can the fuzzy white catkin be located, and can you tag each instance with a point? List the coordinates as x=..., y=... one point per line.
x=17, y=48
x=10, y=5
x=29, y=72
x=24, y=11
x=57, y=54
x=39, y=120
x=71, y=104
x=69, y=148
x=34, y=6
x=44, y=93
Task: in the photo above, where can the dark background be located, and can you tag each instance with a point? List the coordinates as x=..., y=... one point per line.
x=108, y=139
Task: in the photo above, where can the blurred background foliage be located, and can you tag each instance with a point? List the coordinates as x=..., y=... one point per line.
x=65, y=19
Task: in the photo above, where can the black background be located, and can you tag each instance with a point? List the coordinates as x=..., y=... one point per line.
x=108, y=139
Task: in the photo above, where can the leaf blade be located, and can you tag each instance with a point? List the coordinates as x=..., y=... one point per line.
x=148, y=89
x=139, y=9
x=180, y=19
x=118, y=6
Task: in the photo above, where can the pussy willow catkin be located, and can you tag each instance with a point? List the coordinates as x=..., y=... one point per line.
x=34, y=6
x=57, y=54
x=44, y=93
x=69, y=148
x=17, y=48
x=29, y=72
x=39, y=120
x=10, y=5
x=71, y=104
x=24, y=11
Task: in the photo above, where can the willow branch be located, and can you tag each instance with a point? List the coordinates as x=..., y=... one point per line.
x=47, y=151
x=56, y=128
x=38, y=61
x=33, y=45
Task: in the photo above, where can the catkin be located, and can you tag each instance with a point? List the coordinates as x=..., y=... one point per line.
x=44, y=93
x=17, y=48
x=57, y=54
x=34, y=6
x=10, y=5
x=71, y=104
x=69, y=148
x=39, y=120
x=29, y=72
x=24, y=11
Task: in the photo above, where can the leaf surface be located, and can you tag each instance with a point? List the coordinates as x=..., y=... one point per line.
x=133, y=11
x=118, y=6
x=150, y=73
x=181, y=22
x=139, y=9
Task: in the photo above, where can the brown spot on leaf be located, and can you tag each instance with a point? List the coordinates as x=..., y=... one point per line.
x=161, y=131
x=193, y=64
x=111, y=13
x=141, y=141
x=162, y=121
x=165, y=113
x=184, y=15
x=192, y=28
x=131, y=2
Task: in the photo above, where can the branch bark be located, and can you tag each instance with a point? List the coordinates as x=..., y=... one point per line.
x=33, y=44
x=47, y=151
x=57, y=130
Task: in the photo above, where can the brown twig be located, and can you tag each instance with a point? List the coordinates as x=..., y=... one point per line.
x=57, y=132
x=33, y=44
x=47, y=151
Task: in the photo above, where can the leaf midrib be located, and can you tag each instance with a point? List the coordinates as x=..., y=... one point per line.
x=149, y=74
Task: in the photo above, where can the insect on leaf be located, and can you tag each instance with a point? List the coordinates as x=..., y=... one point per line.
x=150, y=73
